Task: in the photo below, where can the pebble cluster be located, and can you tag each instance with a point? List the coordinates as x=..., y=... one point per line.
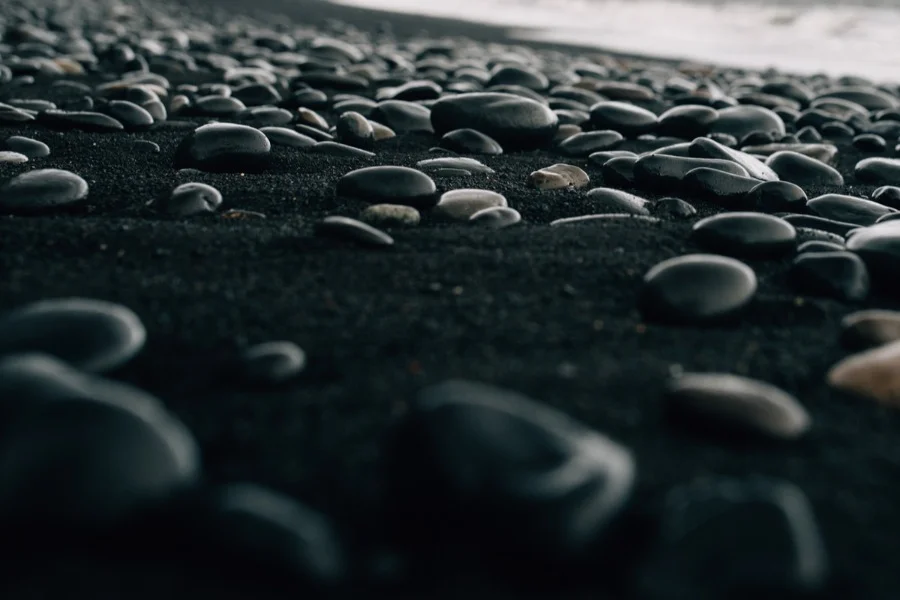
x=751, y=160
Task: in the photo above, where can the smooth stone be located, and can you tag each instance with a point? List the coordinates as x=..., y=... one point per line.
x=244, y=526
x=265, y=116
x=869, y=98
x=717, y=186
x=879, y=247
x=869, y=142
x=802, y=170
x=819, y=246
x=354, y=129
x=272, y=363
x=460, y=205
x=282, y=136
x=389, y=215
x=627, y=119
x=145, y=146
x=604, y=218
x=740, y=121
x=192, y=199
x=316, y=134
x=42, y=190
x=776, y=196
x=675, y=208
x=887, y=195
x=347, y=228
x=870, y=328
x=614, y=201
x=513, y=121
x=619, y=172
x=91, y=335
x=12, y=158
x=745, y=234
x=497, y=217
x=601, y=158
x=697, y=288
x=739, y=403
x=382, y=132
x=120, y=451
x=809, y=135
x=216, y=106
x=473, y=462
x=878, y=171
x=665, y=173
x=83, y=120
x=389, y=185
x=559, y=176
x=340, y=150
x=256, y=94
x=404, y=117
x=130, y=115
x=583, y=144
x=687, y=121
x=26, y=146
x=730, y=538
x=470, y=141
x=707, y=148
x=873, y=373
x=841, y=275
x=680, y=149
x=849, y=209
x=224, y=147
x=470, y=165
x=311, y=118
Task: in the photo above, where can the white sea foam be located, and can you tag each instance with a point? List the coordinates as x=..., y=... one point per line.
x=838, y=40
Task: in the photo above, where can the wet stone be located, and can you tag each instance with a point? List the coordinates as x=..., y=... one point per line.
x=224, y=147
x=559, y=176
x=390, y=215
x=733, y=403
x=840, y=275
x=389, y=185
x=627, y=119
x=776, y=196
x=717, y=186
x=870, y=328
x=741, y=121
x=878, y=171
x=583, y=144
x=91, y=335
x=849, y=209
x=687, y=121
x=497, y=217
x=707, y=148
x=617, y=202
x=469, y=141
x=191, y=199
x=272, y=363
x=351, y=229
x=675, y=208
x=803, y=171
x=697, y=289
x=665, y=173
x=42, y=190
x=746, y=234
x=513, y=121
x=27, y=146
x=473, y=462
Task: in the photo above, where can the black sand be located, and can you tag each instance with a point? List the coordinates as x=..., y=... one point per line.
x=548, y=312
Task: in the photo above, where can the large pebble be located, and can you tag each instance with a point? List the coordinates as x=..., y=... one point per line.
x=841, y=275
x=873, y=374
x=746, y=234
x=42, y=190
x=513, y=121
x=389, y=185
x=224, y=147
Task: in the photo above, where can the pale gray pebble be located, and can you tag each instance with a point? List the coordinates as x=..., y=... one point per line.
x=12, y=158
x=189, y=199
x=460, y=205
x=496, y=217
x=27, y=146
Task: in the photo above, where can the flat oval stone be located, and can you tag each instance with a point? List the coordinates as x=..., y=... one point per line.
x=470, y=141
x=825, y=153
x=390, y=215
x=559, y=176
x=593, y=219
x=83, y=120
x=282, y=136
x=470, y=461
x=460, y=205
x=403, y=117
x=355, y=130
x=129, y=114
x=746, y=234
x=265, y=116
x=868, y=97
x=879, y=171
x=470, y=165
x=601, y=158
x=739, y=403
x=870, y=328
x=190, y=199
x=497, y=217
x=42, y=190
x=583, y=144
x=27, y=146
x=802, y=170
x=707, y=148
x=849, y=209
x=830, y=226
x=340, y=150
x=513, y=121
x=696, y=289
x=616, y=201
x=840, y=275
x=664, y=173
x=869, y=142
x=389, y=185
x=760, y=534
x=627, y=119
x=673, y=207
x=272, y=363
x=887, y=195
x=347, y=228
x=743, y=120
x=874, y=374
x=776, y=196
x=224, y=147
x=12, y=158
x=687, y=121
x=619, y=172
x=92, y=335
x=717, y=186
x=879, y=247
